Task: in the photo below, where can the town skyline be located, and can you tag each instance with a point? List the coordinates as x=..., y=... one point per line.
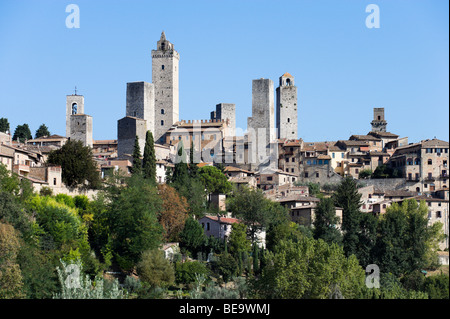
x=357, y=75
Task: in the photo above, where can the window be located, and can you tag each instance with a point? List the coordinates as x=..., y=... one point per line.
x=162, y=122
x=293, y=159
x=54, y=181
x=162, y=67
x=317, y=174
x=430, y=162
x=342, y=155
x=289, y=120
x=332, y=154
x=162, y=111
x=74, y=108
x=438, y=214
x=306, y=174
x=269, y=178
x=207, y=226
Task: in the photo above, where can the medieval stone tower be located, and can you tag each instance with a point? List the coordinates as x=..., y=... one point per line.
x=261, y=124
x=379, y=123
x=226, y=111
x=78, y=124
x=165, y=61
x=287, y=108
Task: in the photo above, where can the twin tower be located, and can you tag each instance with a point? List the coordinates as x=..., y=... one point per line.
x=151, y=106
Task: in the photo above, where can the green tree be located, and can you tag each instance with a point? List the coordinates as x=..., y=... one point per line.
x=255, y=210
x=365, y=173
x=193, y=168
x=349, y=199
x=214, y=180
x=136, y=167
x=11, y=281
x=155, y=270
x=437, y=286
x=180, y=174
x=4, y=125
x=238, y=240
x=23, y=133
x=149, y=161
x=405, y=242
x=326, y=222
x=78, y=166
x=192, y=236
x=309, y=269
x=42, y=131
x=132, y=221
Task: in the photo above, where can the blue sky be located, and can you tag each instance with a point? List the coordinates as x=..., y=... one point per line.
x=342, y=68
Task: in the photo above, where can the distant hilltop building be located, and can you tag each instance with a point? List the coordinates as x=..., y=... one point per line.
x=379, y=123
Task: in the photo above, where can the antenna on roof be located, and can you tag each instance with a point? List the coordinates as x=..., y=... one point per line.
x=75, y=90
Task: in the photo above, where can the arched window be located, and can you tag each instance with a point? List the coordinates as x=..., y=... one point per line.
x=288, y=82
x=74, y=108
x=162, y=111
x=289, y=120
x=162, y=122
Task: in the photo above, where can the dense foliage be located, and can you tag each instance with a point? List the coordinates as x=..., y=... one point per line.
x=123, y=228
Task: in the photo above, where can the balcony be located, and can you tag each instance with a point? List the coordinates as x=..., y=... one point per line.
x=429, y=178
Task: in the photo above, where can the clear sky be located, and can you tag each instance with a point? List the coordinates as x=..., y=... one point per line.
x=342, y=68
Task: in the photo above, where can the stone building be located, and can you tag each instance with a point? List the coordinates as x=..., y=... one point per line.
x=226, y=111
x=379, y=123
x=424, y=165
x=79, y=126
x=287, y=108
x=165, y=62
x=261, y=125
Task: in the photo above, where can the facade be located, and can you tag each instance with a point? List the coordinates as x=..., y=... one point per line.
x=287, y=108
x=424, y=165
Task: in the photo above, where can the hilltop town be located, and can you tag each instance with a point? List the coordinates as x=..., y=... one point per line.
x=269, y=155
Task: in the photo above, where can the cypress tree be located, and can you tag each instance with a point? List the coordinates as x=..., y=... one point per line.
x=149, y=161
x=193, y=168
x=137, y=166
x=348, y=198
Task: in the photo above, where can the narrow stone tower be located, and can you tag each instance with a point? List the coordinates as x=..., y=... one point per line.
x=165, y=61
x=261, y=124
x=379, y=123
x=78, y=124
x=287, y=108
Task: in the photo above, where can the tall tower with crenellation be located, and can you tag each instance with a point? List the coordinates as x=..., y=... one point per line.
x=287, y=108
x=165, y=61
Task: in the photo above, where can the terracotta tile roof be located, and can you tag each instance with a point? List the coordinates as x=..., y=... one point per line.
x=223, y=220
x=364, y=138
x=287, y=75
x=434, y=143
x=383, y=134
